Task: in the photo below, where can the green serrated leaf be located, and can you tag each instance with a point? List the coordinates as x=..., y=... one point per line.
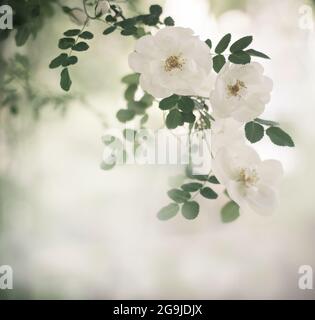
x=239, y=57
x=86, y=35
x=190, y=210
x=168, y=212
x=279, y=137
x=230, y=212
x=124, y=115
x=65, y=80
x=254, y=131
x=58, y=61
x=186, y=104
x=191, y=187
x=174, y=119
x=81, y=46
x=241, y=44
x=223, y=44
x=218, y=62
x=178, y=195
x=255, y=53
x=208, y=193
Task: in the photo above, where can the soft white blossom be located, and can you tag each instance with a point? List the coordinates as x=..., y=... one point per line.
x=249, y=181
x=102, y=7
x=241, y=92
x=78, y=16
x=173, y=61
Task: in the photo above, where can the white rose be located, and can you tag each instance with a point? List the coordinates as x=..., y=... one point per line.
x=102, y=8
x=249, y=181
x=173, y=61
x=78, y=16
x=241, y=92
x=225, y=132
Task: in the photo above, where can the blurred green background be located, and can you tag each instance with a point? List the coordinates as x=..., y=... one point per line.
x=72, y=231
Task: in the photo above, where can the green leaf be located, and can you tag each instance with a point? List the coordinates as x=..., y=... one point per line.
x=86, y=35
x=209, y=43
x=191, y=187
x=178, y=195
x=72, y=32
x=279, y=137
x=129, y=31
x=156, y=10
x=81, y=46
x=200, y=177
x=65, y=80
x=266, y=122
x=241, y=44
x=168, y=212
x=130, y=92
x=131, y=78
x=66, y=43
x=223, y=43
x=189, y=117
x=190, y=210
x=186, y=104
x=239, y=57
x=70, y=61
x=124, y=115
x=213, y=180
x=127, y=23
x=255, y=53
x=169, y=102
x=144, y=119
x=168, y=21
x=109, y=30
x=254, y=131
x=107, y=166
x=230, y=212
x=208, y=193
x=218, y=62
x=110, y=18
x=58, y=61
x=174, y=119
x=22, y=35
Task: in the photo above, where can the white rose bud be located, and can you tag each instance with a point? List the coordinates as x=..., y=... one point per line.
x=78, y=16
x=102, y=8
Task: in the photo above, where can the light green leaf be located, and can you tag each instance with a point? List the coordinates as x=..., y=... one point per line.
x=190, y=210
x=208, y=193
x=178, y=195
x=191, y=187
x=124, y=115
x=131, y=78
x=230, y=212
x=168, y=212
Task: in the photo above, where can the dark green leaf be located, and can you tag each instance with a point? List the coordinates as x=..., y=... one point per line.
x=213, y=180
x=168, y=212
x=241, y=44
x=66, y=43
x=81, y=46
x=209, y=43
x=129, y=31
x=22, y=35
x=156, y=10
x=168, y=21
x=200, y=177
x=178, y=195
x=223, y=43
x=174, y=119
x=124, y=115
x=254, y=131
x=65, y=80
x=110, y=18
x=127, y=23
x=190, y=210
x=239, y=57
x=58, y=61
x=109, y=30
x=86, y=35
x=230, y=212
x=191, y=187
x=70, y=61
x=169, y=102
x=255, y=53
x=186, y=104
x=279, y=137
x=218, y=62
x=131, y=78
x=266, y=122
x=189, y=117
x=208, y=193
x=72, y=32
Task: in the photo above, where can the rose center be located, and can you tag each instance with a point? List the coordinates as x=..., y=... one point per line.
x=173, y=62
x=235, y=89
x=248, y=177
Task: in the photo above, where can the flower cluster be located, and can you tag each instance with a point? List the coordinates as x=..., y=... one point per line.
x=178, y=67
